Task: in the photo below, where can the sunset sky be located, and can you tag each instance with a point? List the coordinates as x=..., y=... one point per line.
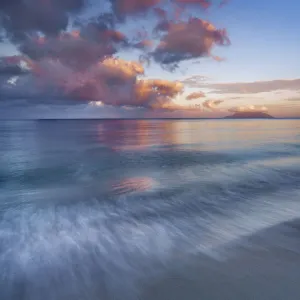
x=258, y=71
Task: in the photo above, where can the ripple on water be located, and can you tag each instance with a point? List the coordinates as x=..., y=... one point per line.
x=133, y=184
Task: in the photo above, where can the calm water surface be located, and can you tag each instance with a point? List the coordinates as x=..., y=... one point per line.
x=151, y=209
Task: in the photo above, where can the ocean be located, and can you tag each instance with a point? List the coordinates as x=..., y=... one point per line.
x=150, y=209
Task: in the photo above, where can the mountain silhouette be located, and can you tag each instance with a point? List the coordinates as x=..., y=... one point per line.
x=250, y=115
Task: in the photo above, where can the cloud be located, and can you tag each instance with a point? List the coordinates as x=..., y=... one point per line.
x=124, y=8
x=236, y=98
x=250, y=108
x=293, y=99
x=10, y=70
x=243, y=87
x=255, y=87
x=112, y=81
x=201, y=3
x=81, y=61
x=223, y=2
x=192, y=39
x=77, y=54
x=195, y=81
x=212, y=104
x=12, y=66
x=19, y=18
x=195, y=95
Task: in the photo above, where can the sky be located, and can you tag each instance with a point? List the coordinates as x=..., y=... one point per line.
x=258, y=71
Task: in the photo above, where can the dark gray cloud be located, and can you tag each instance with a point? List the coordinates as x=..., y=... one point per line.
x=72, y=52
x=201, y=3
x=20, y=18
x=187, y=40
x=11, y=66
x=125, y=8
x=11, y=70
x=14, y=88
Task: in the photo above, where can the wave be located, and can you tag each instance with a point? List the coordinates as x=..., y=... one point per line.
x=89, y=248
x=97, y=249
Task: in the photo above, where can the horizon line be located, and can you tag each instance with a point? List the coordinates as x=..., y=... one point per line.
x=111, y=119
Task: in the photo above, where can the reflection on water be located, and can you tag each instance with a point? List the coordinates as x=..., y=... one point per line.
x=140, y=184
x=201, y=135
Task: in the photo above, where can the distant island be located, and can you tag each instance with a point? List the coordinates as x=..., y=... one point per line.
x=250, y=115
